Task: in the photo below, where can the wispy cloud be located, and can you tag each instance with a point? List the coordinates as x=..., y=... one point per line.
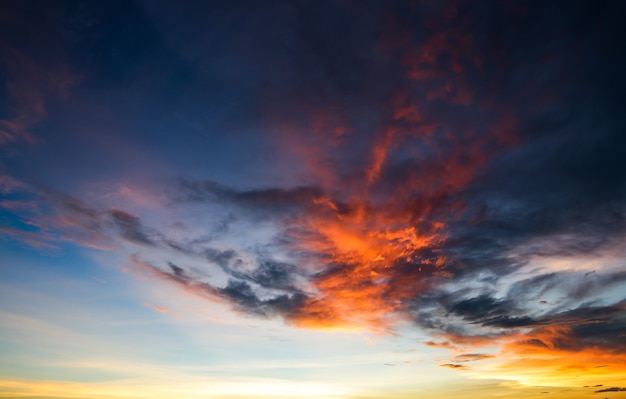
x=470, y=357
x=454, y=366
x=30, y=84
x=612, y=389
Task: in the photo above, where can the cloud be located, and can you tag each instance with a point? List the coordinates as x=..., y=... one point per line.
x=129, y=227
x=36, y=69
x=489, y=312
x=612, y=389
x=454, y=366
x=470, y=357
x=437, y=166
x=483, y=309
x=263, y=202
x=46, y=218
x=565, y=351
x=580, y=329
x=482, y=318
x=446, y=345
x=269, y=274
x=382, y=238
x=8, y=184
x=159, y=309
x=239, y=294
x=34, y=239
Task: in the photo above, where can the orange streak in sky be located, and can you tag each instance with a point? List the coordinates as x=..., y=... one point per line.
x=551, y=355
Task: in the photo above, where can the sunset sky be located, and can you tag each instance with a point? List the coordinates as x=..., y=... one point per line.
x=312, y=199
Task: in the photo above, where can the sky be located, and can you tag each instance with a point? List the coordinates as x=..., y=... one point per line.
x=312, y=199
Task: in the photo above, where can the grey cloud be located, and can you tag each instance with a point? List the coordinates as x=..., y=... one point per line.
x=130, y=227
x=268, y=200
x=179, y=272
x=487, y=311
x=483, y=307
x=241, y=295
x=266, y=273
x=272, y=274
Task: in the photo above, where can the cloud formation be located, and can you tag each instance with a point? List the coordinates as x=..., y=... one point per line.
x=458, y=167
x=36, y=72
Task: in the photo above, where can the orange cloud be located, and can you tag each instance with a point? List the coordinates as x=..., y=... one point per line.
x=159, y=309
x=454, y=366
x=375, y=236
x=554, y=355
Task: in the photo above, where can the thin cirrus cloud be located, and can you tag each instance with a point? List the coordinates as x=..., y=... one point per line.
x=448, y=169
x=35, y=75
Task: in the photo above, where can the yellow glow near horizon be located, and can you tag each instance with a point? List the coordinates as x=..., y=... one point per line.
x=190, y=388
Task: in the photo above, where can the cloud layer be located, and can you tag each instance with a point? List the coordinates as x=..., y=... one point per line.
x=455, y=167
